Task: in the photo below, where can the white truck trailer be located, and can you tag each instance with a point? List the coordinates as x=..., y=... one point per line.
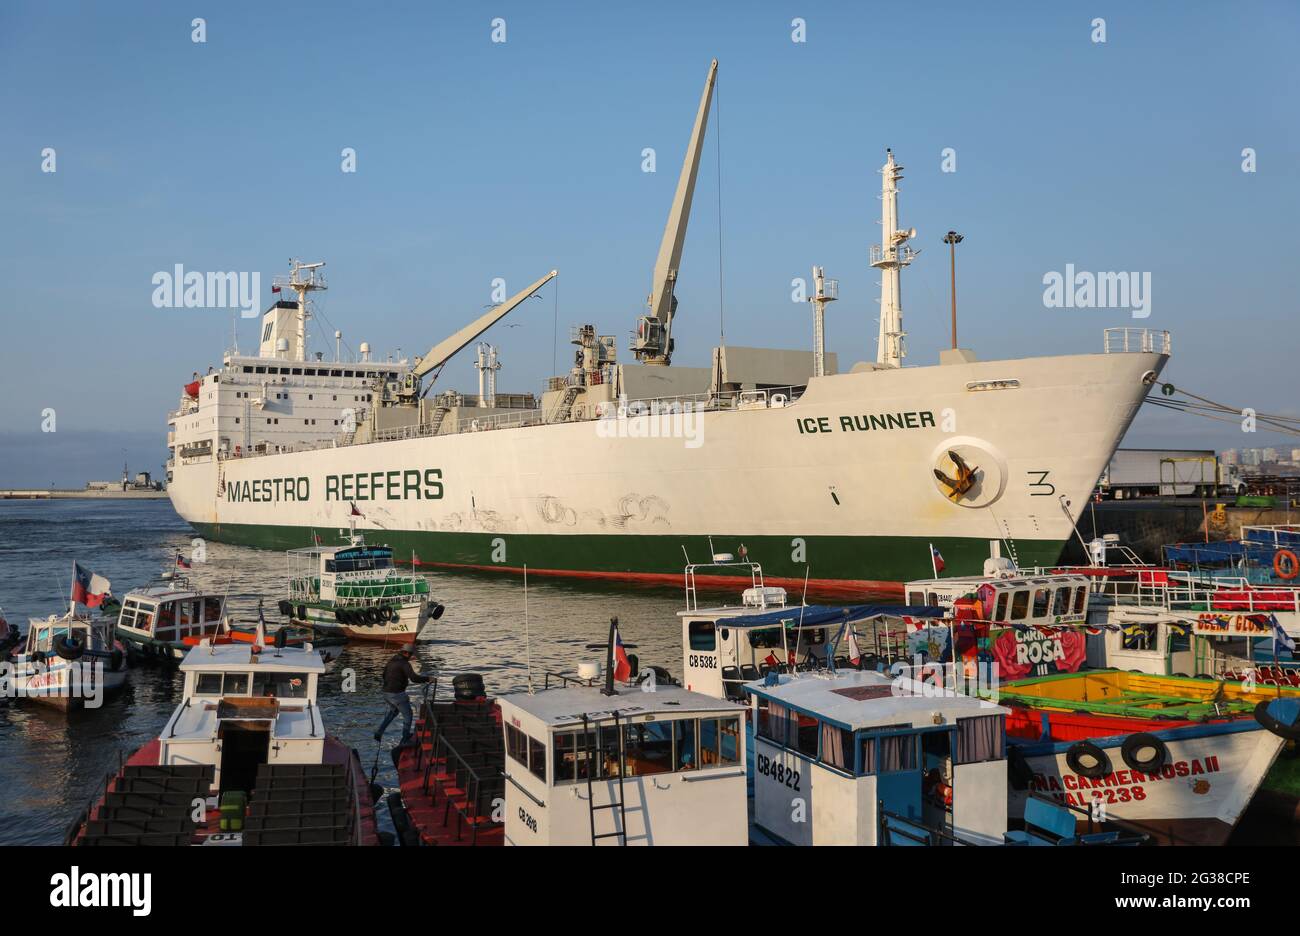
x=1168, y=473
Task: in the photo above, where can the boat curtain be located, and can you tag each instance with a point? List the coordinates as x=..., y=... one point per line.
x=980, y=739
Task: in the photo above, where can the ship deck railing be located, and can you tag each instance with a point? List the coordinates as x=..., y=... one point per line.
x=1136, y=341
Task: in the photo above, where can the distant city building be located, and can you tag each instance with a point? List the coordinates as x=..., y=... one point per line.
x=1295, y=455
x=1230, y=457
x=1269, y=455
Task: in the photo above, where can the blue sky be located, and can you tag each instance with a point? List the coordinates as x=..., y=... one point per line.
x=478, y=160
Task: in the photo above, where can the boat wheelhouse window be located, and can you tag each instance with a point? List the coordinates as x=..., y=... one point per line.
x=1001, y=613
x=837, y=747
x=648, y=748
x=571, y=756
x=702, y=635
x=1139, y=636
x=916, y=598
x=280, y=685
x=218, y=684
x=537, y=758
x=803, y=733
x=1019, y=605
x=773, y=721
x=981, y=739
x=765, y=638
x=1061, y=601
x=684, y=751
x=1080, y=599
x=897, y=753
x=1042, y=602
x=336, y=373
x=719, y=742
x=211, y=608
x=167, y=615
x=517, y=745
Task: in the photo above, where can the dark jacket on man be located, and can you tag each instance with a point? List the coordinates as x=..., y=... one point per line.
x=399, y=673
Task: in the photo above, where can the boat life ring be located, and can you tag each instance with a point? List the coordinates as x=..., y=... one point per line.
x=1088, y=760
x=1145, y=752
x=1018, y=770
x=1286, y=564
x=1286, y=708
x=70, y=648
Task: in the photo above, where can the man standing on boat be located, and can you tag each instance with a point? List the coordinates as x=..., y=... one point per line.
x=398, y=674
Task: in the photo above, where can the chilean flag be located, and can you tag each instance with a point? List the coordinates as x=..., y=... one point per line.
x=88, y=588
x=855, y=655
x=622, y=665
x=936, y=560
x=182, y=562
x=355, y=512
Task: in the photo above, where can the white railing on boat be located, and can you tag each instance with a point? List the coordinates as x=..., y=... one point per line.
x=1135, y=340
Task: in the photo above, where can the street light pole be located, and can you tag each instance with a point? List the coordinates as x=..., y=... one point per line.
x=952, y=239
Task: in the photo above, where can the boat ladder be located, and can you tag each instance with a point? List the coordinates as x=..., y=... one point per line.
x=592, y=762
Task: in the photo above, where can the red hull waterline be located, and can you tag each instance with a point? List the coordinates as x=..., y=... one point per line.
x=851, y=588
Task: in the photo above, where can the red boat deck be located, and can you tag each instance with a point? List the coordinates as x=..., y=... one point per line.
x=448, y=800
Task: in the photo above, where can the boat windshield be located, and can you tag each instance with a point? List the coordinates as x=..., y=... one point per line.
x=360, y=560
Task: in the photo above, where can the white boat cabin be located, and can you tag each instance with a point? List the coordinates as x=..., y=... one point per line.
x=663, y=767
x=45, y=636
x=1010, y=599
x=243, y=708
x=832, y=750
x=168, y=612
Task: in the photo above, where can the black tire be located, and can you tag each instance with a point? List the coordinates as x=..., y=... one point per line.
x=68, y=648
x=1088, y=760
x=38, y=656
x=373, y=617
x=1136, y=744
x=1206, y=676
x=285, y=607
x=1272, y=723
x=1019, y=772
x=437, y=611
x=302, y=612
x=386, y=614
x=340, y=615
x=468, y=686
x=115, y=660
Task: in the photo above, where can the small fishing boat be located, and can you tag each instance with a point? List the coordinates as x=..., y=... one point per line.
x=165, y=618
x=355, y=591
x=70, y=661
x=245, y=759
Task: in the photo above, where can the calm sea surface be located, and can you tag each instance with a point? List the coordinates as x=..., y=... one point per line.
x=51, y=763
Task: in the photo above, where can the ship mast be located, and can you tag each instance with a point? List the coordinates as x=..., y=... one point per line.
x=653, y=342
x=303, y=278
x=890, y=256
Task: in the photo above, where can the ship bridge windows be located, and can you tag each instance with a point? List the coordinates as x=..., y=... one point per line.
x=1042, y=602
x=1080, y=599
x=1061, y=602
x=1019, y=604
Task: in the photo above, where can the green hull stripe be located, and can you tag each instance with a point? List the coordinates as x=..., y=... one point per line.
x=822, y=558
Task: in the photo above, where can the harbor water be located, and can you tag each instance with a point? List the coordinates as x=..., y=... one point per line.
x=54, y=763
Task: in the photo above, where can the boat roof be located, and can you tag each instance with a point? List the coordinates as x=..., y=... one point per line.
x=239, y=657
x=803, y=617
x=168, y=591
x=333, y=550
x=857, y=699
x=563, y=707
x=1017, y=580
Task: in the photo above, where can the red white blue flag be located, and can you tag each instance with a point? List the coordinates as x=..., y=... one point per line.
x=936, y=560
x=182, y=562
x=855, y=655
x=88, y=588
x=622, y=665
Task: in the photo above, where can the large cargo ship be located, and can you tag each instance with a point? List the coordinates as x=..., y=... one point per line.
x=620, y=470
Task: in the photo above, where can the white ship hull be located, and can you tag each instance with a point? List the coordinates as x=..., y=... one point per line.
x=813, y=488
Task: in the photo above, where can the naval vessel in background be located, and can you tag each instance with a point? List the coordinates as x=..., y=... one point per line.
x=841, y=480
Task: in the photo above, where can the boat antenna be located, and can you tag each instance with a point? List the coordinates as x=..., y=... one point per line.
x=528, y=647
x=798, y=635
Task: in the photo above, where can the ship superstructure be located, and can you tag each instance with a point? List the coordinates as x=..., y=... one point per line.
x=841, y=479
